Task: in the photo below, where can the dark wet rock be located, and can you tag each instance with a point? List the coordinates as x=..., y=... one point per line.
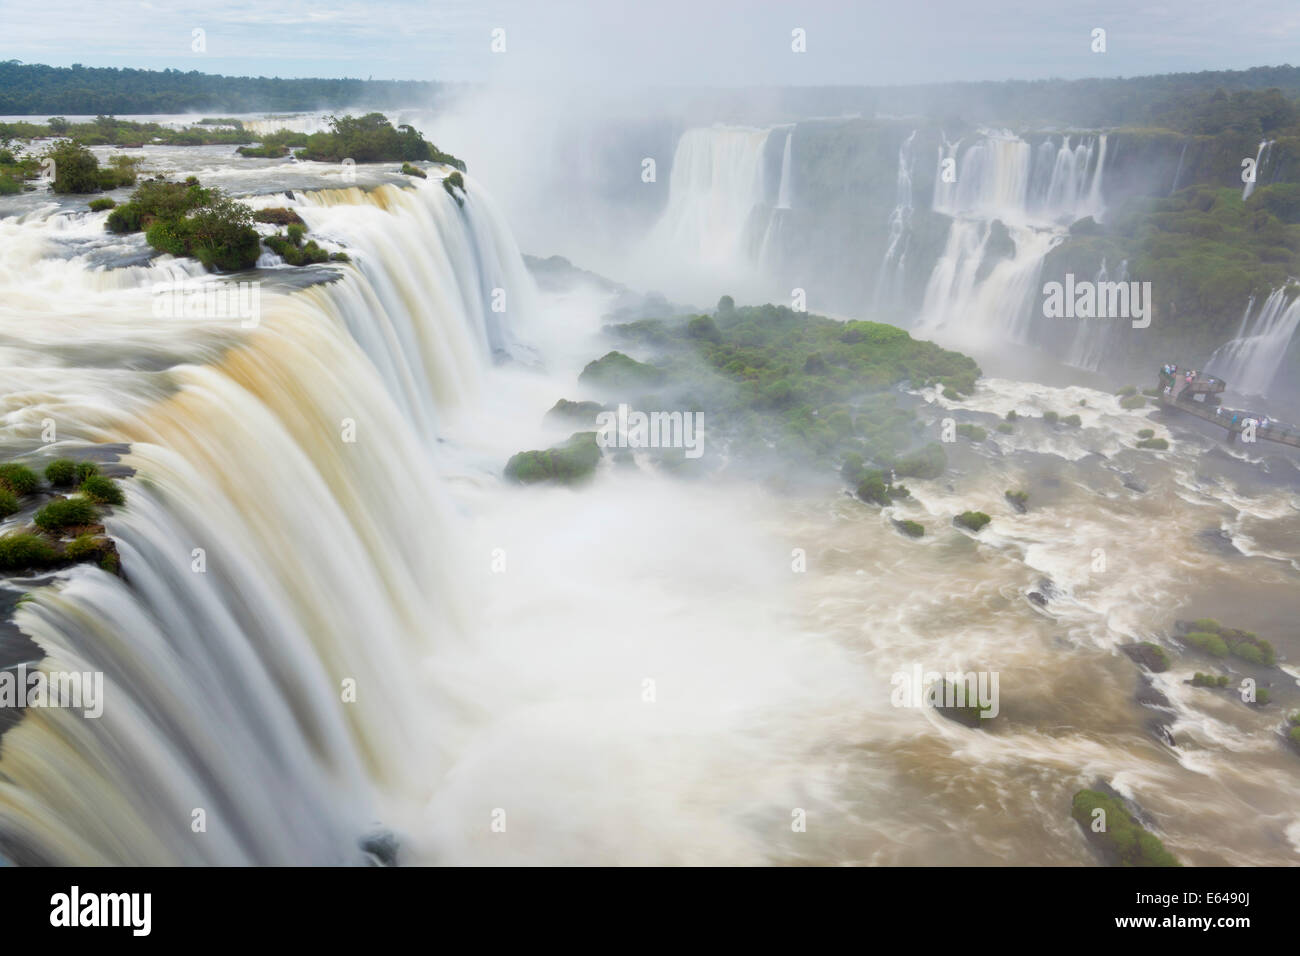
x=967, y=713
x=380, y=847
x=1148, y=696
x=1037, y=598
x=1151, y=656
x=1218, y=541
x=1133, y=483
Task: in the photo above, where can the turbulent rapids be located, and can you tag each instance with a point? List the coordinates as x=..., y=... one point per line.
x=340, y=635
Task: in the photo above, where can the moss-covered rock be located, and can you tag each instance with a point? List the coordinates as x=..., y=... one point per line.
x=972, y=520
x=616, y=371
x=974, y=432
x=1123, y=841
x=913, y=529
x=1018, y=499
x=1153, y=444
x=409, y=170
x=574, y=413
x=1151, y=656
x=572, y=462
x=64, y=513
x=18, y=478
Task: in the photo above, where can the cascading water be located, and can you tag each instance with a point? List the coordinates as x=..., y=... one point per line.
x=270, y=556
x=1002, y=184
x=1250, y=362
x=783, y=191
x=1261, y=159
x=717, y=184
x=1094, y=338
x=889, y=283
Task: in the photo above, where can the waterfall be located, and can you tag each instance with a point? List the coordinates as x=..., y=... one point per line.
x=783, y=191
x=1261, y=157
x=716, y=187
x=1094, y=338
x=1250, y=361
x=1002, y=183
x=322, y=562
x=1179, y=171
x=890, y=281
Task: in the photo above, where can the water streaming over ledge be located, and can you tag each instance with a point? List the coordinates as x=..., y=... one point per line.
x=224, y=683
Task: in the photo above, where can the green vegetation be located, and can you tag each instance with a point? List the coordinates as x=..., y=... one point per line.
x=8, y=503
x=86, y=469
x=409, y=170
x=1011, y=416
x=373, y=139
x=569, y=463
x=973, y=432
x=278, y=216
x=1124, y=841
x=64, y=513
x=1006, y=428
x=1133, y=401
x=186, y=219
x=289, y=246
x=1212, y=637
x=21, y=551
x=1209, y=680
x=101, y=490
x=614, y=370
x=974, y=520
x=1293, y=730
x=581, y=413
x=1074, y=421
x=964, y=708
x=1151, y=656
x=1155, y=444
x=913, y=529
x=1211, y=644
x=18, y=478
x=454, y=182
x=1127, y=391
x=1146, y=433
x=1050, y=417
x=99, y=205
x=1018, y=499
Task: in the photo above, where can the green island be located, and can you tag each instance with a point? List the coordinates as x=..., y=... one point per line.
x=1124, y=841
x=190, y=220
x=65, y=530
x=775, y=384
x=1212, y=638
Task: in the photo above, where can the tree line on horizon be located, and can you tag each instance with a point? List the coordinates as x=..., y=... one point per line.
x=28, y=89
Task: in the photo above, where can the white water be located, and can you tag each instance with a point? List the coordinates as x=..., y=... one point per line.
x=1250, y=362
x=1093, y=338
x=783, y=191
x=893, y=267
x=1036, y=194
x=1261, y=157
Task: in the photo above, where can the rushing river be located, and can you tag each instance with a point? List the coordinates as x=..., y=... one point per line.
x=630, y=672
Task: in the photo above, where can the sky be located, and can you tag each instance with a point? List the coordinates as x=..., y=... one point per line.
x=597, y=44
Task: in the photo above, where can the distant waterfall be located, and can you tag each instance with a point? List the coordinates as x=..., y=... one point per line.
x=1035, y=194
x=783, y=191
x=1261, y=157
x=1179, y=171
x=1251, y=361
x=718, y=186
x=890, y=282
x=1094, y=338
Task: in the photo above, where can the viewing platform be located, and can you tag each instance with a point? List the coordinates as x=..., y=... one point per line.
x=1199, y=396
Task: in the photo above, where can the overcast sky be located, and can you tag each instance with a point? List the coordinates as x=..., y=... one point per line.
x=603, y=43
